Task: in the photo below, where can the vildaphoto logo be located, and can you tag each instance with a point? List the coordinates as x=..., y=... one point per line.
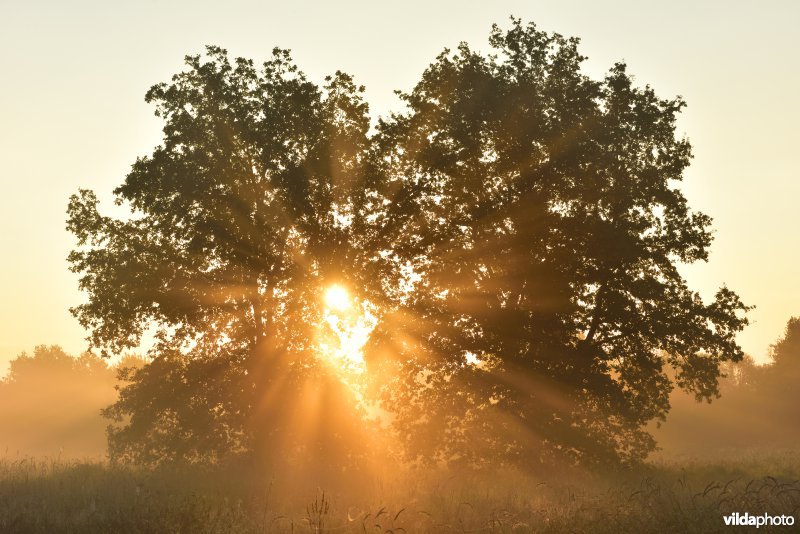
x=746, y=520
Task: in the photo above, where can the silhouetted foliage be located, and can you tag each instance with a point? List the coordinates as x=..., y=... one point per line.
x=777, y=396
x=780, y=378
x=518, y=228
x=542, y=211
x=234, y=230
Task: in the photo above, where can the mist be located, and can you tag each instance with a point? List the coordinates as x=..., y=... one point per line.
x=756, y=412
x=51, y=403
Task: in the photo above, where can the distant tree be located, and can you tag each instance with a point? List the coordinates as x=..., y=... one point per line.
x=785, y=353
x=50, y=403
x=759, y=406
x=777, y=383
x=51, y=362
x=518, y=230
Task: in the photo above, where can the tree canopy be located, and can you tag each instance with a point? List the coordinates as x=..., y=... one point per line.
x=516, y=231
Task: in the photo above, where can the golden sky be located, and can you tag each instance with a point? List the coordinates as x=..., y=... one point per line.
x=72, y=115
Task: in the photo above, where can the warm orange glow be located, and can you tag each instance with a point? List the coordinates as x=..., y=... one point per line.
x=337, y=298
x=348, y=328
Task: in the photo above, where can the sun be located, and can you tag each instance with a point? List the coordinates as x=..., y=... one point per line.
x=337, y=298
x=348, y=323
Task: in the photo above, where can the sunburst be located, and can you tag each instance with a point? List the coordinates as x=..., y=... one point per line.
x=348, y=326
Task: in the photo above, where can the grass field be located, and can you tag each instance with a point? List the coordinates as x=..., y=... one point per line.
x=60, y=496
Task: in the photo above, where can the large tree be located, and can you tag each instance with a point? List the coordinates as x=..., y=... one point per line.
x=235, y=226
x=516, y=230
x=541, y=210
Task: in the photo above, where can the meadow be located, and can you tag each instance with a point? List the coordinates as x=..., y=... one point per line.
x=52, y=495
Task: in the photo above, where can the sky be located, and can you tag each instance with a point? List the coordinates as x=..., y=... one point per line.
x=72, y=115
